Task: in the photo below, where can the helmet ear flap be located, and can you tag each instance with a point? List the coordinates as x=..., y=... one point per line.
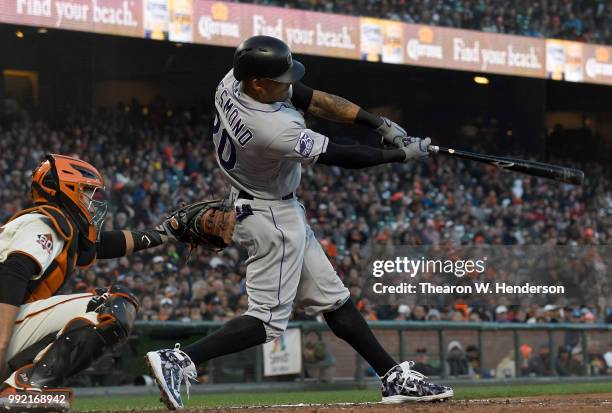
x=53, y=176
x=50, y=182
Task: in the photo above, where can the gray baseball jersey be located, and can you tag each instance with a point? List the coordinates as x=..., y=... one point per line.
x=258, y=144
x=262, y=148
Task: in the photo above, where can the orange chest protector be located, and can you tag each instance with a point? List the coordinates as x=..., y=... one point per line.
x=62, y=266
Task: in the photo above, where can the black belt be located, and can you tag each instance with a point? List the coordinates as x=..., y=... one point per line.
x=244, y=195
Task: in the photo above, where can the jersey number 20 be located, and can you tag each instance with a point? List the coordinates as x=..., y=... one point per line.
x=229, y=162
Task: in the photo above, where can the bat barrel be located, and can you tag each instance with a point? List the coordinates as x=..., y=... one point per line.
x=556, y=172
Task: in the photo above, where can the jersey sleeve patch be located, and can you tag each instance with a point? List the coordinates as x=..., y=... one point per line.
x=36, y=239
x=304, y=145
x=46, y=242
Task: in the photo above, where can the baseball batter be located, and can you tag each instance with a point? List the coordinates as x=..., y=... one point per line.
x=45, y=337
x=262, y=144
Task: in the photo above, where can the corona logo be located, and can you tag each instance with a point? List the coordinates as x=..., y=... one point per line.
x=218, y=23
x=425, y=35
x=220, y=12
x=599, y=67
x=423, y=46
x=602, y=54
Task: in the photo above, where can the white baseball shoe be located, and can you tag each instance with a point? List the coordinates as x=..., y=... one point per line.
x=169, y=367
x=401, y=384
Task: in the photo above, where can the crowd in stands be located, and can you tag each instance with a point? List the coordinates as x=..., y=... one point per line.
x=153, y=162
x=568, y=360
x=583, y=20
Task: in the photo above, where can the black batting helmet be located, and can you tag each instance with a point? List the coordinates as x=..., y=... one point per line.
x=267, y=57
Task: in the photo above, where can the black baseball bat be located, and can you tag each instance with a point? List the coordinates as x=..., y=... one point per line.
x=545, y=170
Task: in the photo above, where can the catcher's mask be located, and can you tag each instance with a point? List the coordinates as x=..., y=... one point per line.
x=76, y=186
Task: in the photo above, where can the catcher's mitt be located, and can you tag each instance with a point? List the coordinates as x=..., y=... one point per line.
x=209, y=223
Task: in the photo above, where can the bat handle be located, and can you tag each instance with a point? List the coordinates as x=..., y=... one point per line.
x=433, y=149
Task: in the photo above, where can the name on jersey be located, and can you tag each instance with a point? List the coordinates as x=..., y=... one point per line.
x=304, y=145
x=46, y=242
x=242, y=134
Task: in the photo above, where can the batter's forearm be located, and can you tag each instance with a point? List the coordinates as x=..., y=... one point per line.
x=359, y=156
x=327, y=106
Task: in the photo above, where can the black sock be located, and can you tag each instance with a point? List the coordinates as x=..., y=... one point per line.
x=348, y=324
x=238, y=334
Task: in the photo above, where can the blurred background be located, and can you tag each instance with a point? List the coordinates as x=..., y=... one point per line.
x=128, y=86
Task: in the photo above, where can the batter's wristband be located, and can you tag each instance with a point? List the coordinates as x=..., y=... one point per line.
x=368, y=119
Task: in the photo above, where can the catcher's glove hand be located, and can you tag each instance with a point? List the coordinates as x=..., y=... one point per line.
x=209, y=223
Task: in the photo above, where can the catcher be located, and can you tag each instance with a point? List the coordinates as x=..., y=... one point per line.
x=44, y=337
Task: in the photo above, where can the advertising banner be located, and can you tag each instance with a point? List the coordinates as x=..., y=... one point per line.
x=324, y=34
x=564, y=60
x=156, y=19
x=597, y=64
x=283, y=355
x=181, y=20
x=381, y=40
x=120, y=17
x=219, y=23
x=474, y=51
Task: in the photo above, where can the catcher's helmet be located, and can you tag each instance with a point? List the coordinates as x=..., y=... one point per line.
x=73, y=184
x=267, y=57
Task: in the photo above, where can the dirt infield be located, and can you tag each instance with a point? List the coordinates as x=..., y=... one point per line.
x=583, y=403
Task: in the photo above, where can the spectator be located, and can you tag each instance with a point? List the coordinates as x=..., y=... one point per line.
x=501, y=314
x=319, y=362
x=572, y=337
x=539, y=365
x=506, y=368
x=551, y=313
x=166, y=311
x=422, y=364
x=475, y=370
x=433, y=315
x=526, y=352
x=608, y=358
x=563, y=362
x=456, y=360
x=418, y=313
x=166, y=163
x=597, y=363
x=403, y=312
x=577, y=365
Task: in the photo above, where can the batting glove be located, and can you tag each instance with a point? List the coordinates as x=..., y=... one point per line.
x=416, y=149
x=392, y=133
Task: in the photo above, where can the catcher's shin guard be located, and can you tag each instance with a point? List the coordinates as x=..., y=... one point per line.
x=81, y=342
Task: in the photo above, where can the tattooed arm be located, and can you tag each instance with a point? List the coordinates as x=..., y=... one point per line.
x=332, y=107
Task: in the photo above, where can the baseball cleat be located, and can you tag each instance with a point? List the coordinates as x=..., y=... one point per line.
x=48, y=400
x=401, y=384
x=169, y=367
